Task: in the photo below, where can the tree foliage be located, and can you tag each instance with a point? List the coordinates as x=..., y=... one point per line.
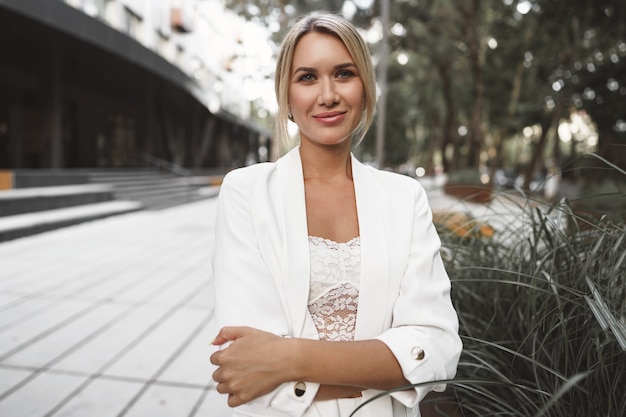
x=485, y=84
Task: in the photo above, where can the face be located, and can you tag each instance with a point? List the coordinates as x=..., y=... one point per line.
x=326, y=95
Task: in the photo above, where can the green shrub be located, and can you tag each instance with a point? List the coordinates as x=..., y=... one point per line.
x=541, y=306
x=606, y=197
x=542, y=311
x=465, y=176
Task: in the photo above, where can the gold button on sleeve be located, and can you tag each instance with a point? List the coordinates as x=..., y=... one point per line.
x=418, y=353
x=299, y=389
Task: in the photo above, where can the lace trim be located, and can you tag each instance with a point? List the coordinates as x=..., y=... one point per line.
x=331, y=244
x=334, y=292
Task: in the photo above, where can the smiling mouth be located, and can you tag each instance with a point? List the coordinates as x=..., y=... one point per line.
x=330, y=117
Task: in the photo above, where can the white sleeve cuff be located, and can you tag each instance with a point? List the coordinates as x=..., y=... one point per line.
x=414, y=362
x=294, y=397
x=288, y=400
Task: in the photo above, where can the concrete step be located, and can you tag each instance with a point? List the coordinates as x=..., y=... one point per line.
x=129, y=175
x=35, y=209
x=20, y=225
x=155, y=190
x=36, y=199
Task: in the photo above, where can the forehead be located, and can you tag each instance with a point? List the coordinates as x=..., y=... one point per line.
x=316, y=48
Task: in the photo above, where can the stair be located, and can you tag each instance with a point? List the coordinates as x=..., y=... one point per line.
x=52, y=199
x=28, y=211
x=153, y=189
x=35, y=199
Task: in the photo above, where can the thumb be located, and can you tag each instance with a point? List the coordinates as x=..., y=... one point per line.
x=227, y=334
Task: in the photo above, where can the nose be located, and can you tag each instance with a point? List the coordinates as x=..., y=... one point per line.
x=328, y=96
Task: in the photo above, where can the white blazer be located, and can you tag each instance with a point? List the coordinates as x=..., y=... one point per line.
x=261, y=272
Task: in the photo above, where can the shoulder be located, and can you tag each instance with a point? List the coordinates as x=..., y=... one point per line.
x=247, y=174
x=241, y=185
x=260, y=173
x=265, y=180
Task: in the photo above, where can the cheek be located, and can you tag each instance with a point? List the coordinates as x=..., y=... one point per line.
x=299, y=100
x=356, y=96
x=358, y=101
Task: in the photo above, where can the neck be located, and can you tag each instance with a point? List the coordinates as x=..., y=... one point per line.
x=325, y=164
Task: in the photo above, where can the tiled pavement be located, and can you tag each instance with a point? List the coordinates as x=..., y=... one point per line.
x=110, y=318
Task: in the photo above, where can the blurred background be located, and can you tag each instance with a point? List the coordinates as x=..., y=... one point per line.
x=500, y=94
x=117, y=106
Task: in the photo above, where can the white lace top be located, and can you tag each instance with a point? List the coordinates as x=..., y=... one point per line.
x=334, y=292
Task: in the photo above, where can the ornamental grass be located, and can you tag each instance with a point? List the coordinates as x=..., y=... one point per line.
x=541, y=299
x=542, y=316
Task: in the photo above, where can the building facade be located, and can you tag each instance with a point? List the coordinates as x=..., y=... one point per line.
x=112, y=83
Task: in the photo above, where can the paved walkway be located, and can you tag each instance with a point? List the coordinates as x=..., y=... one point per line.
x=110, y=318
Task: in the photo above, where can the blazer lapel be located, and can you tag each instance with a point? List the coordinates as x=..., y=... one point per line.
x=295, y=251
x=371, y=314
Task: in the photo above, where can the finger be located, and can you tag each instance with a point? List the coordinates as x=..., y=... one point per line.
x=234, y=401
x=227, y=334
x=221, y=388
x=219, y=340
x=217, y=376
x=215, y=357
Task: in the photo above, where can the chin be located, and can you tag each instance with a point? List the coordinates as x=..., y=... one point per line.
x=333, y=140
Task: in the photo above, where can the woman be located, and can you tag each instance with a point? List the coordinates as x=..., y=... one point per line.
x=329, y=283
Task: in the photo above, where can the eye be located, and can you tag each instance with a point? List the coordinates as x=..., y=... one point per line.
x=306, y=77
x=345, y=74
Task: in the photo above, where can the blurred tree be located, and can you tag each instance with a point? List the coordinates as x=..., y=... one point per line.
x=506, y=65
x=473, y=29
x=596, y=78
x=434, y=34
x=466, y=78
x=280, y=14
x=571, y=61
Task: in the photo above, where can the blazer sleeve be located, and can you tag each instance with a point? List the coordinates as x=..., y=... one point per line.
x=424, y=332
x=246, y=293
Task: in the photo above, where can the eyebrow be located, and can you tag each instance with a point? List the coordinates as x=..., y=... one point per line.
x=313, y=70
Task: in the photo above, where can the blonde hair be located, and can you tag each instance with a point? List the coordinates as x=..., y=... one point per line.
x=356, y=46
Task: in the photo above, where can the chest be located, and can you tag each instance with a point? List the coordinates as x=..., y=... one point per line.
x=331, y=211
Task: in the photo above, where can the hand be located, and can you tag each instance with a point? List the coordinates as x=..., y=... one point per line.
x=252, y=365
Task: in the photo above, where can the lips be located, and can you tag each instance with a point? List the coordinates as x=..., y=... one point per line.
x=330, y=117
